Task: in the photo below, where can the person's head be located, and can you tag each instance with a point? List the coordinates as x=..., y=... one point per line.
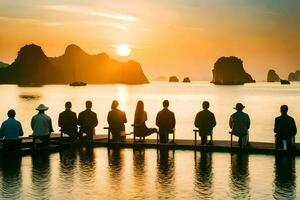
x=205, y=105
x=114, y=104
x=68, y=105
x=11, y=113
x=166, y=103
x=42, y=108
x=284, y=109
x=239, y=107
x=88, y=104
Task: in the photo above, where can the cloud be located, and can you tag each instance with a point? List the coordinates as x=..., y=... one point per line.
x=88, y=11
x=107, y=24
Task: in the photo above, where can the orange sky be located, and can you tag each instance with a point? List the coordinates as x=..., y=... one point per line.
x=168, y=37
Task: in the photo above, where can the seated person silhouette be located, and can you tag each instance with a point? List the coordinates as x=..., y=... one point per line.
x=67, y=121
x=140, y=129
x=10, y=131
x=116, y=120
x=165, y=120
x=41, y=125
x=205, y=121
x=87, y=120
x=239, y=122
x=285, y=129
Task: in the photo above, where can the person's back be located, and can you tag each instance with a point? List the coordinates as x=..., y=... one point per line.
x=87, y=120
x=205, y=121
x=11, y=129
x=285, y=129
x=41, y=125
x=165, y=120
x=116, y=119
x=240, y=123
x=67, y=120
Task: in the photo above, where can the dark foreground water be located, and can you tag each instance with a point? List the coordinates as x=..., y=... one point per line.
x=148, y=174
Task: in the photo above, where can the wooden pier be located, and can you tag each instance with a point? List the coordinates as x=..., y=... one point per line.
x=57, y=144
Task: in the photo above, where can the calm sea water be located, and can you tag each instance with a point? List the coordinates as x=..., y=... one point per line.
x=148, y=174
x=262, y=102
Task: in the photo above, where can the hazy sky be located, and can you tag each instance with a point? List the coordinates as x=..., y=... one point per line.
x=168, y=37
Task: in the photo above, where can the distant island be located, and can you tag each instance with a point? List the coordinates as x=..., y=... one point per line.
x=230, y=71
x=273, y=76
x=173, y=79
x=294, y=76
x=32, y=66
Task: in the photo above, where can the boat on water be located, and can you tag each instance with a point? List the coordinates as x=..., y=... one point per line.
x=284, y=82
x=76, y=83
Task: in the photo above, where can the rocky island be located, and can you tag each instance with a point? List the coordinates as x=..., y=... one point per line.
x=32, y=66
x=294, y=76
x=273, y=76
x=230, y=71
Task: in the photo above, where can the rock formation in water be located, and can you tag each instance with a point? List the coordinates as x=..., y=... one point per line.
x=273, y=76
x=230, y=71
x=33, y=66
x=294, y=76
x=2, y=64
x=186, y=80
x=173, y=79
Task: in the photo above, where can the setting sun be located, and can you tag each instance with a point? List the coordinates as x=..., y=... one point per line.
x=123, y=50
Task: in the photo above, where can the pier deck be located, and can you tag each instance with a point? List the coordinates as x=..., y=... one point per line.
x=57, y=145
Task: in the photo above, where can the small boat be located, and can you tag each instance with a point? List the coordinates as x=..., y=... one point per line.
x=284, y=82
x=78, y=84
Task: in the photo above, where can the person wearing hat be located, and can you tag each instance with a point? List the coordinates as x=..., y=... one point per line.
x=41, y=124
x=239, y=123
x=285, y=129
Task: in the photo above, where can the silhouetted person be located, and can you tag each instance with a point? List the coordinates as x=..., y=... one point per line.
x=67, y=121
x=285, y=129
x=240, y=123
x=11, y=130
x=140, y=129
x=87, y=120
x=165, y=120
x=41, y=124
x=205, y=121
x=116, y=120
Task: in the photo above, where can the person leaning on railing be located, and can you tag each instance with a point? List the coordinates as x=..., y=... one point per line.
x=10, y=131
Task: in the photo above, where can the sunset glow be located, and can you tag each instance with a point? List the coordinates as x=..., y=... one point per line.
x=123, y=50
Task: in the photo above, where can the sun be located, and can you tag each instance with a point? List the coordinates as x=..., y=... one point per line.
x=123, y=50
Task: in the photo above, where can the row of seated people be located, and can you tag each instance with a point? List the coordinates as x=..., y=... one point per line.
x=239, y=122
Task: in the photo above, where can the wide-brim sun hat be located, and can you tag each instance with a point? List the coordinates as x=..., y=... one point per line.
x=42, y=107
x=239, y=106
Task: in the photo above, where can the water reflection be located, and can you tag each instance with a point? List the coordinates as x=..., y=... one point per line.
x=139, y=174
x=87, y=167
x=29, y=97
x=68, y=158
x=11, y=176
x=239, y=185
x=284, y=182
x=204, y=175
x=40, y=176
x=166, y=174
